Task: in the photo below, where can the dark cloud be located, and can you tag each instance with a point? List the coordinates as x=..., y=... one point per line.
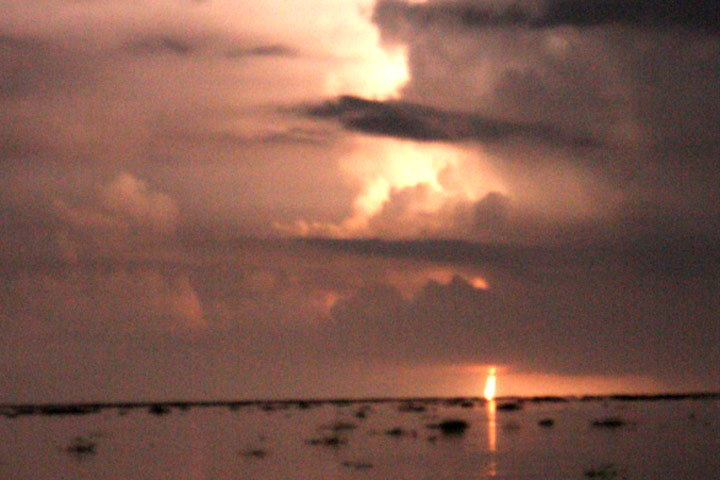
x=419, y=122
x=271, y=50
x=646, y=96
x=697, y=14
x=159, y=44
x=289, y=136
x=702, y=15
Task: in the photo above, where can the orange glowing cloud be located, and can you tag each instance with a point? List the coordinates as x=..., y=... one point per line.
x=408, y=188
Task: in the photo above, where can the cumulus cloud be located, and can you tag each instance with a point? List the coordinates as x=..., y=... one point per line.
x=121, y=217
x=128, y=197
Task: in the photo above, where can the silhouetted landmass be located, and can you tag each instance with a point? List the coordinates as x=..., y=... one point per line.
x=159, y=409
x=69, y=409
x=548, y=399
x=506, y=403
x=412, y=407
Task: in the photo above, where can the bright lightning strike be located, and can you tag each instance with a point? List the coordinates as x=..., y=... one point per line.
x=490, y=385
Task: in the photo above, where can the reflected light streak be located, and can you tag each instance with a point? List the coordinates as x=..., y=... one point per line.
x=492, y=436
x=492, y=420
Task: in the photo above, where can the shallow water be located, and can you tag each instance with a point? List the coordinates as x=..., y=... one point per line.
x=656, y=440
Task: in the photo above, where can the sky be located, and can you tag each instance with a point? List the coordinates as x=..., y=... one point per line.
x=229, y=199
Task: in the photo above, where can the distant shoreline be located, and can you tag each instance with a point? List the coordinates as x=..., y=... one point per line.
x=80, y=408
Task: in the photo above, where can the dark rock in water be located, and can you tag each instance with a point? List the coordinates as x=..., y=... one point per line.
x=331, y=441
x=395, y=432
x=453, y=427
x=340, y=426
x=255, y=453
x=411, y=408
x=546, y=422
x=467, y=404
x=81, y=446
x=158, y=409
x=606, y=471
x=510, y=427
x=357, y=465
x=509, y=407
x=610, y=422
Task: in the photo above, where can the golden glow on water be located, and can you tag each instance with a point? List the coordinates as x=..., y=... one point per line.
x=490, y=385
x=492, y=420
x=492, y=436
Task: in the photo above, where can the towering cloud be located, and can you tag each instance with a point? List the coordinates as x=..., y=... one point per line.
x=248, y=199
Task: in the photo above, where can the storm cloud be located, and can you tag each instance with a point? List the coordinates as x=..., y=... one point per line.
x=702, y=15
x=247, y=200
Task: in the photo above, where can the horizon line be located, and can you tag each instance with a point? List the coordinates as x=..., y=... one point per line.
x=98, y=405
